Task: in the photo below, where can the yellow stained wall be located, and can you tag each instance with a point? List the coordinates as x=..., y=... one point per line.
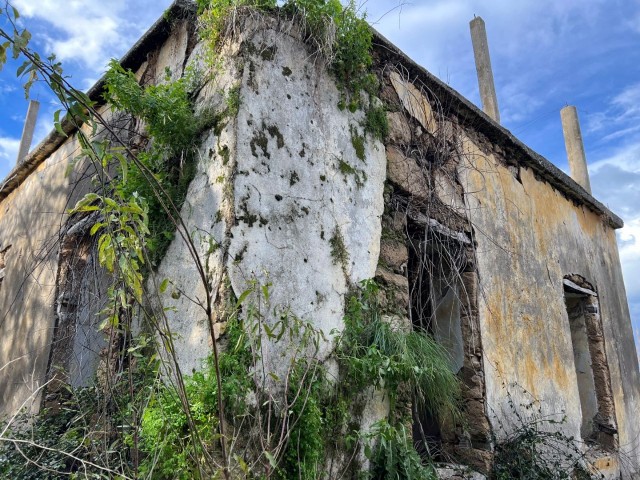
x=31, y=218
x=529, y=236
x=30, y=221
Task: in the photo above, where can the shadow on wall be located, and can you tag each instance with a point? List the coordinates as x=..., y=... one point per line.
x=32, y=228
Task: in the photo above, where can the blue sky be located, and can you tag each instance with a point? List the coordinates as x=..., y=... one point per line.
x=545, y=54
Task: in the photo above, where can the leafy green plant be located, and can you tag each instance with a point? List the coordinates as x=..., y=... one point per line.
x=166, y=433
x=303, y=458
x=39, y=445
x=376, y=122
x=375, y=354
x=393, y=456
x=167, y=112
x=339, y=252
x=85, y=435
x=213, y=16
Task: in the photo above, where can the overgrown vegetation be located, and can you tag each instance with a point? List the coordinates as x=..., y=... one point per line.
x=50, y=445
x=379, y=354
x=338, y=33
x=318, y=416
x=394, y=455
x=238, y=417
x=535, y=447
x=374, y=354
x=171, y=125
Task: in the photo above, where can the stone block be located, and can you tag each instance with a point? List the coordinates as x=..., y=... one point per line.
x=457, y=472
x=448, y=192
x=478, y=427
x=392, y=279
x=406, y=173
x=394, y=254
x=399, y=129
x=415, y=103
x=480, y=460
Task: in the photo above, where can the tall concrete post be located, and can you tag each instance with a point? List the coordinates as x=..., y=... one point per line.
x=483, y=67
x=575, y=147
x=29, y=128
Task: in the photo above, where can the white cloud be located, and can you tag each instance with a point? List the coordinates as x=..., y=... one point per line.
x=6, y=87
x=90, y=32
x=621, y=116
x=616, y=182
x=629, y=242
x=8, y=152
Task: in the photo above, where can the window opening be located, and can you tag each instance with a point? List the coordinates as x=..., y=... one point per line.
x=592, y=370
x=3, y=265
x=436, y=291
x=77, y=342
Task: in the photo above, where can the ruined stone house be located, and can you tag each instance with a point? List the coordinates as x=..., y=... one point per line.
x=507, y=261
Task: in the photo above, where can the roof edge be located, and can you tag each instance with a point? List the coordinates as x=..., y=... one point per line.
x=160, y=30
x=136, y=55
x=497, y=133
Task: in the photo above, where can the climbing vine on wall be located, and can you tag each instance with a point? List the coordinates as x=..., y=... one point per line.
x=142, y=427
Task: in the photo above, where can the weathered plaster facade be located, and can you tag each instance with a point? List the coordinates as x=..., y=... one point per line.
x=473, y=235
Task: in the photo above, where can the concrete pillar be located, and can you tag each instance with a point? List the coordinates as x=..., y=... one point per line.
x=29, y=128
x=483, y=67
x=575, y=148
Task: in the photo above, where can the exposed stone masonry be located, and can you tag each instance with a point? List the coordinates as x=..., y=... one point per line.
x=424, y=205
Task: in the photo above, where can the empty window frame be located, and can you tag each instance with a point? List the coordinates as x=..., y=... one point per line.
x=598, y=422
x=81, y=286
x=438, y=299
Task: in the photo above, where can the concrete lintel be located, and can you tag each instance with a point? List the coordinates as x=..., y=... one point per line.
x=578, y=289
x=437, y=227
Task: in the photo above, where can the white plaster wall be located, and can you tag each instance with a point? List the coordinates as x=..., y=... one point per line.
x=291, y=197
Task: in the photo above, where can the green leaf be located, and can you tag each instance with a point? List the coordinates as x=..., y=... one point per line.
x=3, y=54
x=57, y=124
x=33, y=76
x=22, y=68
x=123, y=166
x=26, y=36
x=16, y=14
x=96, y=226
x=265, y=292
x=88, y=199
x=164, y=285
x=271, y=458
x=243, y=296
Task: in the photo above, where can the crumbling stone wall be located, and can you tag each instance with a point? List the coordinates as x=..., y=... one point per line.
x=450, y=166
x=427, y=237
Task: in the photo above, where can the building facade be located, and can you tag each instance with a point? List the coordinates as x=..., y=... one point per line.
x=506, y=261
